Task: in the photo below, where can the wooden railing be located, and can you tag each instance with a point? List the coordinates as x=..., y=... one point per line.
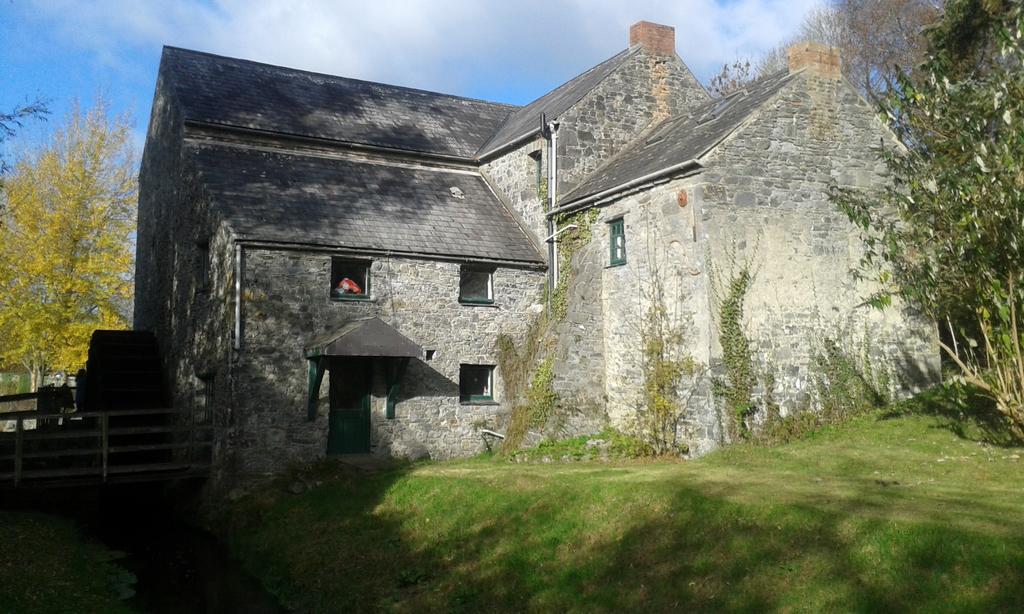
x=102, y=446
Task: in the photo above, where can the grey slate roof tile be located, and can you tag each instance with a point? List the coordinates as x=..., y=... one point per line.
x=244, y=94
x=680, y=138
x=342, y=202
x=526, y=120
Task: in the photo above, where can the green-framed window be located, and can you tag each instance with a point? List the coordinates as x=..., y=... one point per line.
x=350, y=279
x=476, y=383
x=476, y=285
x=617, y=242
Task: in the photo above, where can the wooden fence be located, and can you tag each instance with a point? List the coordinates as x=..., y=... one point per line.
x=46, y=448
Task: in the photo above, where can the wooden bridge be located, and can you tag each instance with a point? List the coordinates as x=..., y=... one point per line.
x=123, y=431
x=99, y=447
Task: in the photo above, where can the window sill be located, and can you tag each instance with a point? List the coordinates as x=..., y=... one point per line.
x=478, y=403
x=615, y=265
x=352, y=299
x=472, y=303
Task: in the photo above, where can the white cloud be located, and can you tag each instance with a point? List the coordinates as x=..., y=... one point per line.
x=459, y=46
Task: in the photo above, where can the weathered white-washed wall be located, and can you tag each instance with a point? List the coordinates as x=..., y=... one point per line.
x=765, y=190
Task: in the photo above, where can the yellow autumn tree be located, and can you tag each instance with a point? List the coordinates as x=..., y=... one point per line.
x=67, y=218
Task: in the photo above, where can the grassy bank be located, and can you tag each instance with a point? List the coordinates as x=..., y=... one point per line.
x=888, y=512
x=46, y=565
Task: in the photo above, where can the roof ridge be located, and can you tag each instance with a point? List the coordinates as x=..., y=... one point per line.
x=619, y=57
x=694, y=121
x=314, y=73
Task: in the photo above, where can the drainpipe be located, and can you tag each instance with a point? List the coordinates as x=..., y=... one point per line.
x=552, y=128
x=238, y=297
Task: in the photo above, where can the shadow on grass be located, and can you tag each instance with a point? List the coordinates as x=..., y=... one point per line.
x=963, y=412
x=398, y=542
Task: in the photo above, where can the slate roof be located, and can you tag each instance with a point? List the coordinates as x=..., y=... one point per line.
x=364, y=337
x=679, y=139
x=526, y=120
x=240, y=93
x=344, y=202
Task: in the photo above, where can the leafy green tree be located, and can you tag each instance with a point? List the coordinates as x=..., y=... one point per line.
x=948, y=234
x=65, y=242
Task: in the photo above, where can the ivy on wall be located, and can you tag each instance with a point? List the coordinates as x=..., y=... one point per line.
x=531, y=361
x=735, y=387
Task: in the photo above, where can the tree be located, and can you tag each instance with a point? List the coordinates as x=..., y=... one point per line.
x=881, y=40
x=948, y=235
x=11, y=122
x=732, y=78
x=65, y=242
x=878, y=40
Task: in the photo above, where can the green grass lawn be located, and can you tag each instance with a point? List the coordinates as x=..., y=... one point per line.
x=886, y=513
x=46, y=565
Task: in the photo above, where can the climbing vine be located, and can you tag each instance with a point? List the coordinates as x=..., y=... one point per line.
x=541, y=403
x=735, y=387
x=530, y=361
x=666, y=369
x=569, y=244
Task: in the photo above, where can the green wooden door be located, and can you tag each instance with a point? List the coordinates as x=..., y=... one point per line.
x=348, y=430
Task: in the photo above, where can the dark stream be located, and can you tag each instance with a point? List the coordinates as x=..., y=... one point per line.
x=177, y=567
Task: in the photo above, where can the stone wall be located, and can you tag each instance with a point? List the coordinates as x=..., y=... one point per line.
x=766, y=192
x=664, y=268
x=514, y=177
x=646, y=88
x=192, y=318
x=286, y=304
x=763, y=191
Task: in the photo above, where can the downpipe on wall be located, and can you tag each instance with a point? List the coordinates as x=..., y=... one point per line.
x=552, y=131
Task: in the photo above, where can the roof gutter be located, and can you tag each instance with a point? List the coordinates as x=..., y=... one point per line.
x=632, y=183
x=370, y=252
x=508, y=145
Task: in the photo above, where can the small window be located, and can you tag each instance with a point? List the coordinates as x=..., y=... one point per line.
x=202, y=404
x=536, y=159
x=476, y=383
x=476, y=286
x=617, y=242
x=350, y=279
x=203, y=265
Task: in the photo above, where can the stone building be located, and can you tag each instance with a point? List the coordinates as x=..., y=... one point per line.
x=329, y=263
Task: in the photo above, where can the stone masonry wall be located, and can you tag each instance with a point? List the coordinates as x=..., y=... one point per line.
x=286, y=304
x=766, y=193
x=664, y=267
x=192, y=319
x=763, y=191
x=646, y=88
x=514, y=177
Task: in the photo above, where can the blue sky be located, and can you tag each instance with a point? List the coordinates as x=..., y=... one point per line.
x=492, y=49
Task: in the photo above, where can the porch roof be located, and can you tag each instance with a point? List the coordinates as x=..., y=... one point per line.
x=365, y=337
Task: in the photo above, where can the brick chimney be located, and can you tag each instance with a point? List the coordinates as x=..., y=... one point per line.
x=818, y=59
x=653, y=37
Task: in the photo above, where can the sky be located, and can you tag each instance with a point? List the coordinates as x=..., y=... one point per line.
x=502, y=50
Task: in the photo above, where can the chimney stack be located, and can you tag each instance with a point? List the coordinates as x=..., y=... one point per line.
x=653, y=37
x=818, y=59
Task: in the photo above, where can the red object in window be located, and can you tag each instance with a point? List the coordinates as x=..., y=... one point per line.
x=347, y=286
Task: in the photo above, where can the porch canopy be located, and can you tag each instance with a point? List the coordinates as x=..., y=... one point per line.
x=366, y=337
